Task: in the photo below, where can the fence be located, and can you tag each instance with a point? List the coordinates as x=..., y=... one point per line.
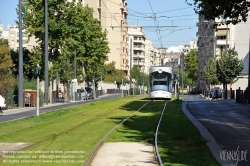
x=12, y=100
x=241, y=96
x=114, y=91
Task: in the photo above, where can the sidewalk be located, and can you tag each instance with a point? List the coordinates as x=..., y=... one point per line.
x=24, y=109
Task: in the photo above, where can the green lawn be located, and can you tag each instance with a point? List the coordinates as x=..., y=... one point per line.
x=64, y=133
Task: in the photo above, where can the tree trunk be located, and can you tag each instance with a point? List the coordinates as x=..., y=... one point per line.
x=225, y=97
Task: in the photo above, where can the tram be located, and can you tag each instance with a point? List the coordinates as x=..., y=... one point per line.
x=160, y=83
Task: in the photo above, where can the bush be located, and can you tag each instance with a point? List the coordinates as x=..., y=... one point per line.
x=136, y=91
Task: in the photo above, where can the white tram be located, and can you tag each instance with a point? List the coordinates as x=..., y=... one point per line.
x=160, y=82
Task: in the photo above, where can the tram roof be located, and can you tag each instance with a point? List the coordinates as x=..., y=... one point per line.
x=160, y=69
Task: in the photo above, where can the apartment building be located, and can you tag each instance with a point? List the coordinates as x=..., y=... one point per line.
x=12, y=35
x=137, y=36
x=144, y=54
x=112, y=16
x=212, y=42
x=149, y=55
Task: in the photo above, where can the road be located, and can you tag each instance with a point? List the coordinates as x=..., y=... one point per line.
x=228, y=122
x=10, y=115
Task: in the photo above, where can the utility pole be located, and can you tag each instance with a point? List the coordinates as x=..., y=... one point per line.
x=46, y=79
x=182, y=74
x=130, y=65
x=122, y=88
x=20, y=63
x=75, y=64
x=37, y=91
x=248, y=93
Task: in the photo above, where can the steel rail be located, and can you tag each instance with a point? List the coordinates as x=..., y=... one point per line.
x=90, y=158
x=156, y=136
x=72, y=128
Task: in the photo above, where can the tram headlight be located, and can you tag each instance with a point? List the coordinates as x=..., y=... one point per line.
x=160, y=71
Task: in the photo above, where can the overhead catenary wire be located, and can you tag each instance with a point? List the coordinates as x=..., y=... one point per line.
x=155, y=22
x=140, y=16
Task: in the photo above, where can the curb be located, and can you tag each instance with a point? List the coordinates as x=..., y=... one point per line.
x=211, y=143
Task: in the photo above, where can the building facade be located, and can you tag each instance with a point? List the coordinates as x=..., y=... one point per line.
x=112, y=16
x=12, y=35
x=212, y=42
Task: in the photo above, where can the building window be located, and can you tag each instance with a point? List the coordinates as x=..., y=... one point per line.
x=100, y=2
x=12, y=42
x=12, y=34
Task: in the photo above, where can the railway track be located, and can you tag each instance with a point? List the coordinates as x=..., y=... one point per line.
x=156, y=152
x=96, y=117
x=156, y=136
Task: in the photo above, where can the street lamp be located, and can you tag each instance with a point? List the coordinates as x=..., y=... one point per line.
x=182, y=74
x=20, y=63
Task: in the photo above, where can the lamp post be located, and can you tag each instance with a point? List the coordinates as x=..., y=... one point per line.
x=182, y=74
x=46, y=78
x=20, y=63
x=248, y=93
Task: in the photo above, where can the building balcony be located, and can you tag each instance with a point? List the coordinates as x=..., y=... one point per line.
x=140, y=63
x=139, y=48
x=139, y=41
x=221, y=42
x=138, y=56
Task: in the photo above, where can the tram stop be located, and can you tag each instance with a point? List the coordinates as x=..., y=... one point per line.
x=29, y=97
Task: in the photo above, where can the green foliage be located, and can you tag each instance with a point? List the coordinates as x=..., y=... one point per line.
x=210, y=73
x=140, y=77
x=7, y=80
x=186, y=81
x=235, y=10
x=229, y=67
x=190, y=67
x=72, y=28
x=30, y=61
x=136, y=91
x=114, y=75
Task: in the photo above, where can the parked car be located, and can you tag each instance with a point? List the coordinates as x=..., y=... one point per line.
x=83, y=93
x=184, y=91
x=213, y=90
x=2, y=103
x=90, y=93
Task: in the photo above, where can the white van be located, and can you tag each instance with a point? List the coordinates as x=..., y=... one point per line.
x=2, y=103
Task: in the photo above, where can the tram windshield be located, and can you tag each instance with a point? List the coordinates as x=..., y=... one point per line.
x=160, y=81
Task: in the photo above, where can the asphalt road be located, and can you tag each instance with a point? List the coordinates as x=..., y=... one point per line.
x=228, y=122
x=10, y=115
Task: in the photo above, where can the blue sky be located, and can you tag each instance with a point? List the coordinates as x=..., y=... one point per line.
x=8, y=12
x=168, y=13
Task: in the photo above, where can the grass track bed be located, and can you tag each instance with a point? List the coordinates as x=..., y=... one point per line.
x=179, y=141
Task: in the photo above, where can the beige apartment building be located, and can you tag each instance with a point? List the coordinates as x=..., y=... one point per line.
x=144, y=54
x=12, y=35
x=112, y=16
x=212, y=42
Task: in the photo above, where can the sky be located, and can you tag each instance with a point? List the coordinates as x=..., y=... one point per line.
x=165, y=22
x=176, y=14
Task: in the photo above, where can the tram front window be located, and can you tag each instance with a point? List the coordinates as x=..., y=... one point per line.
x=160, y=81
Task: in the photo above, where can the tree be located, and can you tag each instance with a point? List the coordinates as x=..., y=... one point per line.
x=7, y=80
x=190, y=67
x=30, y=61
x=210, y=72
x=114, y=75
x=229, y=67
x=235, y=10
x=71, y=28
